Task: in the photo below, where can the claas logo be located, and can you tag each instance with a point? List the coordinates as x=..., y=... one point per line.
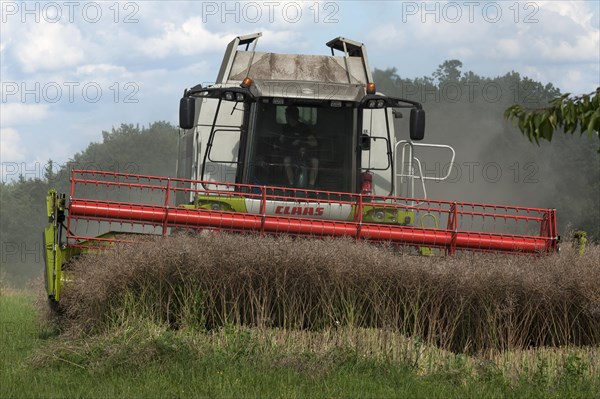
x=299, y=211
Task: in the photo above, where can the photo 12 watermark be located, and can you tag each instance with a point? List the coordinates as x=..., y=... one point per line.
x=21, y=252
x=70, y=92
x=523, y=92
x=53, y=172
x=70, y=11
x=469, y=11
x=270, y=12
x=472, y=172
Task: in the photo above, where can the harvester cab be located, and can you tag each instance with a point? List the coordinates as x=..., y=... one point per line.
x=238, y=130
x=291, y=144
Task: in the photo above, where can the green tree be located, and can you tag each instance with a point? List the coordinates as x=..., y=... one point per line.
x=128, y=148
x=449, y=71
x=564, y=175
x=580, y=113
x=131, y=149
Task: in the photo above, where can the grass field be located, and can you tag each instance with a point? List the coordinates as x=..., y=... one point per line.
x=239, y=316
x=144, y=359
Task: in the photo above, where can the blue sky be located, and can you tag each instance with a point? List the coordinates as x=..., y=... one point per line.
x=72, y=69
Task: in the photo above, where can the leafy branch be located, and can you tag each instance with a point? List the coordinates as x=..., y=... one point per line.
x=569, y=113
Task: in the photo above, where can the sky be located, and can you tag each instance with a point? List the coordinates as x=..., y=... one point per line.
x=71, y=69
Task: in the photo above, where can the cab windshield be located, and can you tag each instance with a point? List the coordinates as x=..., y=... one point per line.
x=303, y=146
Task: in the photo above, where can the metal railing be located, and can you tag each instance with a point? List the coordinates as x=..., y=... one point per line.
x=102, y=202
x=406, y=168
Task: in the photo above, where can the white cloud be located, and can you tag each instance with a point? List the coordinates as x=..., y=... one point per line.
x=187, y=39
x=10, y=145
x=508, y=48
x=574, y=78
x=190, y=71
x=277, y=40
x=385, y=34
x=461, y=52
x=534, y=73
x=576, y=11
x=102, y=69
x=48, y=46
x=19, y=113
x=193, y=38
x=585, y=47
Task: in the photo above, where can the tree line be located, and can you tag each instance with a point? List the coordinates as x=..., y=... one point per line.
x=468, y=111
x=128, y=148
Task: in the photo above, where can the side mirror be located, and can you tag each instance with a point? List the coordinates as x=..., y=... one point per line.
x=417, y=124
x=365, y=142
x=187, y=112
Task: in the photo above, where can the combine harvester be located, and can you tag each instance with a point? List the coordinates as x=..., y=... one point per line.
x=290, y=144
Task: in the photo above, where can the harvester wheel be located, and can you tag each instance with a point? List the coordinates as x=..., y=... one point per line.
x=54, y=306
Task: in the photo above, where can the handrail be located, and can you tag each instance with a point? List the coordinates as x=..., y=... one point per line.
x=408, y=161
